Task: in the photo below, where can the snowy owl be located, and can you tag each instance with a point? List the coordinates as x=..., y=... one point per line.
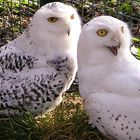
x=109, y=78
x=40, y=65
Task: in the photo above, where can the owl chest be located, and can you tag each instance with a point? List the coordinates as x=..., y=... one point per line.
x=63, y=66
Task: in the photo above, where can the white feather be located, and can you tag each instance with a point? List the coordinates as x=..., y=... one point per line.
x=115, y=115
x=100, y=71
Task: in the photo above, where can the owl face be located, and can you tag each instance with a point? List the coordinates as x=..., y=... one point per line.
x=107, y=32
x=57, y=19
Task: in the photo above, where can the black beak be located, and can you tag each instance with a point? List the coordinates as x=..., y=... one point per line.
x=68, y=32
x=114, y=49
x=67, y=29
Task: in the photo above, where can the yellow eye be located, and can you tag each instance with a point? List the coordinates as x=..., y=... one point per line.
x=102, y=32
x=52, y=19
x=72, y=16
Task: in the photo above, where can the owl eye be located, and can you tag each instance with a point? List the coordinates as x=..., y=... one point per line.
x=102, y=32
x=122, y=29
x=72, y=16
x=52, y=19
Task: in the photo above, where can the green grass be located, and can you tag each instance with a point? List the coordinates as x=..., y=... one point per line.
x=67, y=122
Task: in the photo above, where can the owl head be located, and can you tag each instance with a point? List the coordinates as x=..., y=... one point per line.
x=55, y=20
x=106, y=33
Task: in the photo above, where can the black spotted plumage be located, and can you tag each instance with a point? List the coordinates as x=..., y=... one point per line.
x=32, y=91
x=16, y=62
x=40, y=65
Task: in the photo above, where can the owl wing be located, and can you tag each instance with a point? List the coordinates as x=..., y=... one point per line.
x=34, y=91
x=115, y=115
x=24, y=87
x=15, y=60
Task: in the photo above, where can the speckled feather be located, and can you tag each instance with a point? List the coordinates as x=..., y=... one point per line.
x=115, y=115
x=39, y=66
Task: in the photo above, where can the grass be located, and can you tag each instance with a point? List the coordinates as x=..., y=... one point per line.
x=67, y=122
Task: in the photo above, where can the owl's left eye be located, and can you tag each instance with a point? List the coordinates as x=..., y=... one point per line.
x=52, y=19
x=72, y=16
x=102, y=32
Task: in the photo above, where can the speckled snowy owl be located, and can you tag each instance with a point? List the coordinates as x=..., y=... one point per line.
x=109, y=78
x=40, y=65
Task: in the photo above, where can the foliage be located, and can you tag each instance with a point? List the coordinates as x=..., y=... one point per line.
x=122, y=9
x=14, y=18
x=25, y=128
x=135, y=49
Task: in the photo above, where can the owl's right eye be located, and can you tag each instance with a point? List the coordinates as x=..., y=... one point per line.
x=102, y=32
x=52, y=19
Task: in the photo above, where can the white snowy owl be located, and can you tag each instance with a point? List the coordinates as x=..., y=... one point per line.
x=40, y=65
x=109, y=78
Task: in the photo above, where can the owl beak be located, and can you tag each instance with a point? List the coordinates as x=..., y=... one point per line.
x=67, y=29
x=114, y=49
